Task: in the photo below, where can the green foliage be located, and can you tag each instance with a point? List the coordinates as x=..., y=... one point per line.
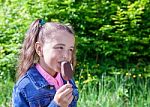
x=112, y=36
x=109, y=33
x=6, y=93
x=115, y=91
x=112, y=39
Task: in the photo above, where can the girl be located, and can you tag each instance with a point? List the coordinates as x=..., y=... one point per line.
x=40, y=83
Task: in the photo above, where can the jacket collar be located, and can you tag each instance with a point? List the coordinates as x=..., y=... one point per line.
x=37, y=78
x=39, y=81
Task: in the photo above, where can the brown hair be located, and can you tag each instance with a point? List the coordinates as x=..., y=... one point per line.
x=38, y=32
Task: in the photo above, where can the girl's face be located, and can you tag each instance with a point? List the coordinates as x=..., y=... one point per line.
x=59, y=48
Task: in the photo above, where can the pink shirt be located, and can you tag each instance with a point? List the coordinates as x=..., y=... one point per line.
x=57, y=81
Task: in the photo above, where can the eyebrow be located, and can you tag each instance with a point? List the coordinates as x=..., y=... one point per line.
x=63, y=45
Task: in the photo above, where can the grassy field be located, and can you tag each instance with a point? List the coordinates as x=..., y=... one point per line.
x=108, y=91
x=116, y=91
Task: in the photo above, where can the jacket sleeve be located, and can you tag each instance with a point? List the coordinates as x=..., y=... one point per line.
x=53, y=104
x=18, y=99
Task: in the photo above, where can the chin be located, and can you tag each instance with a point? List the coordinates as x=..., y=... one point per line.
x=59, y=70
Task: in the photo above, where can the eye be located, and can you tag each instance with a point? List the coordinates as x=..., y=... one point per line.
x=60, y=47
x=71, y=50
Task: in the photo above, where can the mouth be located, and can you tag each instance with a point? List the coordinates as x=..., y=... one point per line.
x=62, y=61
x=59, y=63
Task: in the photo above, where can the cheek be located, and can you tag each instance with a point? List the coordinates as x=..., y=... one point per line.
x=54, y=56
x=70, y=55
x=51, y=60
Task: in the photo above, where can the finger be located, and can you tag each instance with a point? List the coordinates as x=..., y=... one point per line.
x=70, y=99
x=66, y=92
x=64, y=87
x=68, y=82
x=69, y=95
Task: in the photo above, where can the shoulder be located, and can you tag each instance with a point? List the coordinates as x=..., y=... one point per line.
x=31, y=80
x=22, y=82
x=25, y=81
x=19, y=94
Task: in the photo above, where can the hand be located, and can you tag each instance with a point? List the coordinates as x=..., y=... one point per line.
x=63, y=96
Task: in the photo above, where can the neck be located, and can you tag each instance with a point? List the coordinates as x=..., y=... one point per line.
x=55, y=75
x=48, y=70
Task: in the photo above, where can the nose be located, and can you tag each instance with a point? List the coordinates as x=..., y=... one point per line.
x=66, y=55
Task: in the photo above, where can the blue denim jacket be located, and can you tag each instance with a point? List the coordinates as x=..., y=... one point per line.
x=32, y=90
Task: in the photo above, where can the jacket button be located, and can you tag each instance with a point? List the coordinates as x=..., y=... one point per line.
x=50, y=87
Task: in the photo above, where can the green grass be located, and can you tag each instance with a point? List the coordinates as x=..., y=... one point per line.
x=106, y=98
x=118, y=91
x=107, y=91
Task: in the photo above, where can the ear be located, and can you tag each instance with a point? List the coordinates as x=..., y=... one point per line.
x=38, y=49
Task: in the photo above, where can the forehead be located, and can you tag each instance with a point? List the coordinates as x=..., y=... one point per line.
x=62, y=37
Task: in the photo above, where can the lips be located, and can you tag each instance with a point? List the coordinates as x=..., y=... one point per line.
x=59, y=63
